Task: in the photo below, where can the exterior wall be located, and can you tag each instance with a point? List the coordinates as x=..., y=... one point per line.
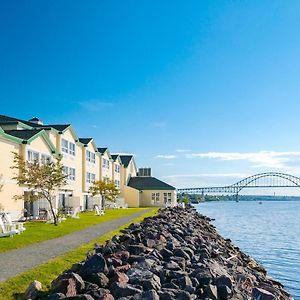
x=106, y=173
x=10, y=187
x=73, y=189
x=132, y=196
x=116, y=176
x=130, y=171
x=52, y=136
x=146, y=198
x=90, y=167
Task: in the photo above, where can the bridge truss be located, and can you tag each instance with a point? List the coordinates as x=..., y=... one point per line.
x=262, y=180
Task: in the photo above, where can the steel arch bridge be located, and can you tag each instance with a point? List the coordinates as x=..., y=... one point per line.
x=262, y=180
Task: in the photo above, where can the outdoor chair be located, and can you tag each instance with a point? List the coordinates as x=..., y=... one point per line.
x=19, y=226
x=98, y=211
x=75, y=214
x=7, y=230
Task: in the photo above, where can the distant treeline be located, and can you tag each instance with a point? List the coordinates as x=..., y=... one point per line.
x=195, y=198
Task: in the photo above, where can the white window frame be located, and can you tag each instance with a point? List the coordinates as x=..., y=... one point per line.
x=64, y=148
x=45, y=158
x=72, y=174
x=90, y=177
x=90, y=157
x=31, y=154
x=72, y=148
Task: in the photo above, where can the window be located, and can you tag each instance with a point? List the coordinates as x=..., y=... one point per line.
x=105, y=163
x=117, y=168
x=155, y=198
x=69, y=173
x=90, y=177
x=165, y=198
x=117, y=183
x=90, y=156
x=72, y=148
x=64, y=146
x=33, y=156
x=45, y=158
x=65, y=170
x=72, y=174
x=67, y=147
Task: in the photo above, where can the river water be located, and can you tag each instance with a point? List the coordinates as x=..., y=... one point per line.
x=269, y=232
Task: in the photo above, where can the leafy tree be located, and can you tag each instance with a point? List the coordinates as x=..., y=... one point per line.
x=185, y=200
x=106, y=189
x=42, y=179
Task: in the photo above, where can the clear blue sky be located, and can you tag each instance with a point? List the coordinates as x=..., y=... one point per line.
x=219, y=79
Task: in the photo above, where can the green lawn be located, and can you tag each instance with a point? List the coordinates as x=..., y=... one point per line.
x=39, y=231
x=45, y=273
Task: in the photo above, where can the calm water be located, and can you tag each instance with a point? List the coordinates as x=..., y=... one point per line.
x=269, y=232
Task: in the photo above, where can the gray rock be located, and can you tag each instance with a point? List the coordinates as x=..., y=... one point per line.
x=165, y=253
x=69, y=284
x=211, y=292
x=123, y=290
x=181, y=253
x=223, y=280
x=95, y=264
x=56, y=296
x=261, y=294
x=224, y=292
x=81, y=297
x=33, y=290
x=147, y=295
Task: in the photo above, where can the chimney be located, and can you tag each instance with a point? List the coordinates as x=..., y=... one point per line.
x=36, y=121
x=144, y=172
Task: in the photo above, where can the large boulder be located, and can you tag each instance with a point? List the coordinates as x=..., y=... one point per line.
x=95, y=264
x=119, y=290
x=33, y=290
x=69, y=284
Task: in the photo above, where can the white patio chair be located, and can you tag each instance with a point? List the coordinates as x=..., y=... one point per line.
x=19, y=226
x=7, y=230
x=75, y=214
x=98, y=211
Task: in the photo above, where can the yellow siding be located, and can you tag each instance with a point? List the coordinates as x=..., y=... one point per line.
x=73, y=188
x=146, y=197
x=132, y=196
x=10, y=187
x=106, y=173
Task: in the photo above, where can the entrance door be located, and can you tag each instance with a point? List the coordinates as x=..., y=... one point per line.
x=62, y=201
x=86, y=202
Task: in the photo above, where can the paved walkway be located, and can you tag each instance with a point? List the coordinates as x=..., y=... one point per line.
x=20, y=260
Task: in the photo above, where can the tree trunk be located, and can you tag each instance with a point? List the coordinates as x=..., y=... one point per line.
x=55, y=218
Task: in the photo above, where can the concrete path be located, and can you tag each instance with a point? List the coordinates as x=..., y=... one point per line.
x=20, y=260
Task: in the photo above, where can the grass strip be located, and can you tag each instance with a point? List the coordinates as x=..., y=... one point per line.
x=40, y=231
x=47, y=272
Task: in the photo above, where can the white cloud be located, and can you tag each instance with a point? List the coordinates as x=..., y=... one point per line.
x=182, y=150
x=123, y=153
x=203, y=179
x=230, y=175
x=95, y=104
x=270, y=159
x=165, y=156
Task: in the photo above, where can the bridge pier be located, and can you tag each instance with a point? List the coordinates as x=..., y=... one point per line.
x=236, y=197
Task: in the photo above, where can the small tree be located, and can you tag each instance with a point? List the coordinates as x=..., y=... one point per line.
x=42, y=179
x=106, y=189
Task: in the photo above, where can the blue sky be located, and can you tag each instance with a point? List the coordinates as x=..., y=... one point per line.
x=204, y=92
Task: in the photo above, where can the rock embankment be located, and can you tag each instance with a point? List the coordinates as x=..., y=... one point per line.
x=175, y=255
